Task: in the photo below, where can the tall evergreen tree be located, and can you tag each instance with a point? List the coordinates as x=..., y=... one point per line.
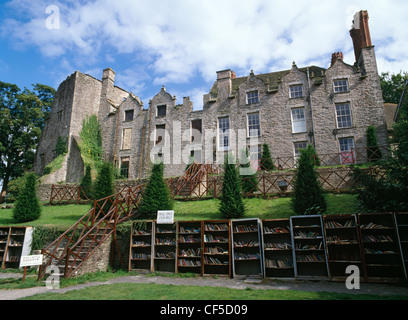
x=27, y=206
x=266, y=158
x=247, y=173
x=373, y=151
x=231, y=202
x=86, y=183
x=156, y=195
x=308, y=196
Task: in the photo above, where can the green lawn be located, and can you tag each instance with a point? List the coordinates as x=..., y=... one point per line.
x=132, y=291
x=65, y=216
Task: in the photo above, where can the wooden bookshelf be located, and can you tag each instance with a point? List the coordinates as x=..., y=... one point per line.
x=343, y=245
x=380, y=246
x=309, y=249
x=401, y=219
x=141, y=246
x=217, y=247
x=14, y=243
x=165, y=247
x=246, y=248
x=277, y=249
x=189, y=247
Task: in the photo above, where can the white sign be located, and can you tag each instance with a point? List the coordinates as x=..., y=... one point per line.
x=29, y=261
x=165, y=217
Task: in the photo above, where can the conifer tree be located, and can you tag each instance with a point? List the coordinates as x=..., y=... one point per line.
x=266, y=158
x=156, y=195
x=104, y=183
x=231, y=202
x=247, y=173
x=27, y=206
x=86, y=183
x=373, y=152
x=308, y=196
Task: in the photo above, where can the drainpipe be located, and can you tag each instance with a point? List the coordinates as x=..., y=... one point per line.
x=311, y=108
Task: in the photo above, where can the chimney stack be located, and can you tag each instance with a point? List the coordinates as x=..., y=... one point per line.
x=336, y=56
x=360, y=32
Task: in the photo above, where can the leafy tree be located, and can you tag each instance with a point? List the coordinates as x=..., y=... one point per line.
x=373, y=152
x=247, y=173
x=266, y=158
x=156, y=195
x=392, y=86
x=308, y=196
x=27, y=206
x=231, y=202
x=22, y=116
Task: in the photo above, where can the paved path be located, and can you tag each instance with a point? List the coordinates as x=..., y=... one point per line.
x=317, y=286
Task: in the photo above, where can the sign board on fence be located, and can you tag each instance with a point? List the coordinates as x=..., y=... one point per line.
x=29, y=261
x=165, y=217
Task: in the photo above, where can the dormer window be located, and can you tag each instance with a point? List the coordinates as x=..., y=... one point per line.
x=252, y=97
x=296, y=91
x=340, y=86
x=161, y=111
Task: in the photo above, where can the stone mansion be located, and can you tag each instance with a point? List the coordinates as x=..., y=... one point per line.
x=328, y=108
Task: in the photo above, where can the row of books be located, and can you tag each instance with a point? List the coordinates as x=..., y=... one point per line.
x=238, y=244
x=165, y=241
x=310, y=258
x=368, y=250
x=377, y=238
x=372, y=225
x=141, y=233
x=245, y=228
x=272, y=263
x=189, y=239
x=215, y=250
x=141, y=244
x=336, y=224
x=141, y=256
x=189, y=263
x=189, y=230
x=300, y=246
x=190, y=253
x=246, y=256
x=310, y=234
x=165, y=255
x=216, y=227
x=164, y=230
x=277, y=246
x=211, y=238
x=212, y=260
x=276, y=230
x=339, y=239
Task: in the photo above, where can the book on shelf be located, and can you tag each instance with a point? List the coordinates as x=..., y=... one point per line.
x=277, y=246
x=377, y=238
x=141, y=256
x=189, y=230
x=246, y=256
x=336, y=224
x=373, y=225
x=165, y=241
x=164, y=230
x=245, y=228
x=216, y=227
x=189, y=263
x=215, y=250
x=300, y=246
x=276, y=230
x=137, y=243
x=213, y=260
x=190, y=253
x=305, y=235
x=310, y=258
x=238, y=244
x=141, y=233
x=165, y=255
x=211, y=238
x=281, y=263
x=375, y=251
x=189, y=239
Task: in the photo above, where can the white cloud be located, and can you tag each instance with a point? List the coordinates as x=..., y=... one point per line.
x=176, y=41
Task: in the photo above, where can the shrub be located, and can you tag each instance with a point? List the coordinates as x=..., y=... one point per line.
x=266, y=158
x=231, y=203
x=308, y=196
x=86, y=184
x=156, y=195
x=27, y=206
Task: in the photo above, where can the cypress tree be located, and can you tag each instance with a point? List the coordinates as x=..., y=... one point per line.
x=156, y=195
x=247, y=174
x=266, y=158
x=104, y=186
x=373, y=152
x=308, y=196
x=86, y=183
x=231, y=204
x=27, y=206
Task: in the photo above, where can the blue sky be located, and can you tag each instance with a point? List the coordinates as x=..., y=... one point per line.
x=182, y=43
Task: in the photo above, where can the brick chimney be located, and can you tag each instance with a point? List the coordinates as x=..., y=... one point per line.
x=360, y=33
x=336, y=56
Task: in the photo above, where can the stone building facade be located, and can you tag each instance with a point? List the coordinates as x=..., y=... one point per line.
x=328, y=108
